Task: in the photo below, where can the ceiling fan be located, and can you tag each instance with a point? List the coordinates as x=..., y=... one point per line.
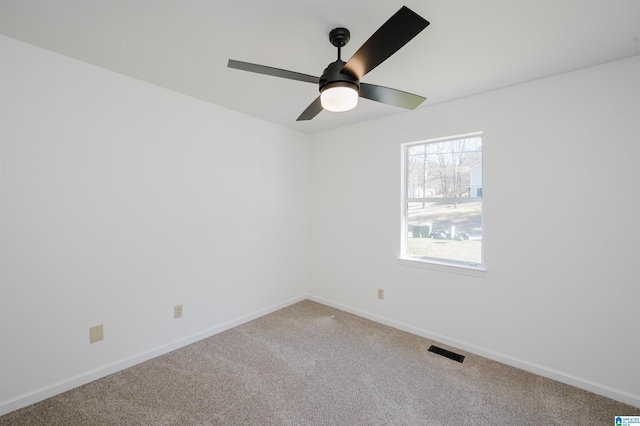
x=340, y=84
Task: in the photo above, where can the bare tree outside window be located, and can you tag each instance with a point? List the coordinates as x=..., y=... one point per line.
x=443, y=200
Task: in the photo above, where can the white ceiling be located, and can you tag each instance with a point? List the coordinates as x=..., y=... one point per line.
x=470, y=47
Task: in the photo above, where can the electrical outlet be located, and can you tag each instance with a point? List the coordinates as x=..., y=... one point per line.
x=177, y=311
x=380, y=294
x=96, y=333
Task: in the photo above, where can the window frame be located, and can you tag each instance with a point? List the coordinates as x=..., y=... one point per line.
x=446, y=265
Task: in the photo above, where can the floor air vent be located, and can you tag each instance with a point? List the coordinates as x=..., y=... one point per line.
x=451, y=355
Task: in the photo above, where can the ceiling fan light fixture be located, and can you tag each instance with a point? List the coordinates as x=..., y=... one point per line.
x=339, y=97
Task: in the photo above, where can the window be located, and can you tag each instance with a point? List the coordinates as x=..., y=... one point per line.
x=442, y=201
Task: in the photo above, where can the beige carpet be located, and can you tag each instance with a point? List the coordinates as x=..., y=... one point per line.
x=310, y=364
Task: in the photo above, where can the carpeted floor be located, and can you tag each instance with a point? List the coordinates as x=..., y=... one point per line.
x=309, y=364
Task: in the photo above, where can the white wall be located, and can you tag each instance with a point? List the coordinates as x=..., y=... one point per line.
x=120, y=200
x=561, y=227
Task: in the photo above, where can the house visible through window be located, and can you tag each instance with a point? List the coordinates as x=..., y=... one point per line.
x=442, y=201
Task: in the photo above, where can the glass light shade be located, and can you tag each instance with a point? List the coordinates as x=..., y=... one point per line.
x=339, y=99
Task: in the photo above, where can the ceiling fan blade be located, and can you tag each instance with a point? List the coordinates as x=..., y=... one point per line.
x=390, y=96
x=311, y=111
x=275, y=72
x=387, y=40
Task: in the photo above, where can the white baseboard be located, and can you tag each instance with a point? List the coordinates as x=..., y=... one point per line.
x=48, y=391
x=540, y=370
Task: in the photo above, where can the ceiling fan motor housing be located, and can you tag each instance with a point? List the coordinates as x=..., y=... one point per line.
x=334, y=77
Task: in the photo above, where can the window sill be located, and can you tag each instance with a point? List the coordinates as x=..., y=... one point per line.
x=444, y=267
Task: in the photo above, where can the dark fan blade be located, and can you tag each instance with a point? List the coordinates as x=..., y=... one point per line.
x=311, y=111
x=390, y=96
x=276, y=72
x=390, y=37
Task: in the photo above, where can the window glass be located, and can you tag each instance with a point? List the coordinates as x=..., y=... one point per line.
x=442, y=203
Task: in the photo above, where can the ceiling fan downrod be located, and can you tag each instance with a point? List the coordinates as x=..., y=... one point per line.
x=339, y=37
